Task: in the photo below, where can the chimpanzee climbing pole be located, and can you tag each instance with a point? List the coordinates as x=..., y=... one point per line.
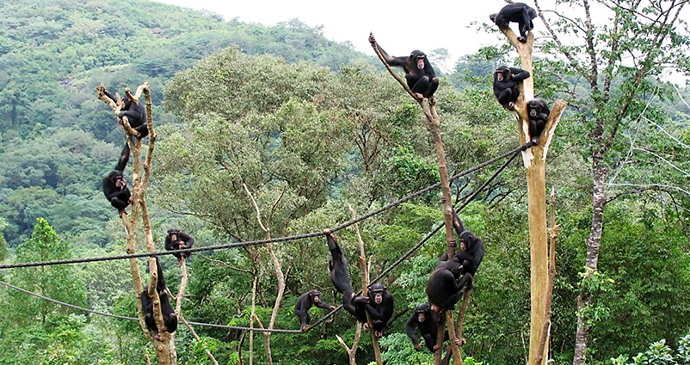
x=534, y=160
x=139, y=185
x=435, y=129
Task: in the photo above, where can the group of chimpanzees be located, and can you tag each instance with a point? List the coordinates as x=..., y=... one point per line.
x=119, y=196
x=114, y=183
x=444, y=289
x=450, y=277
x=421, y=77
x=507, y=79
x=174, y=240
x=378, y=302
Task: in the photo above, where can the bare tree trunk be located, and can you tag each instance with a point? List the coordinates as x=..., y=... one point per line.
x=278, y=270
x=139, y=185
x=435, y=129
x=534, y=160
x=365, y=291
x=542, y=351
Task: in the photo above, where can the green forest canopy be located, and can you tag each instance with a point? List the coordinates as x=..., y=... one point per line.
x=315, y=123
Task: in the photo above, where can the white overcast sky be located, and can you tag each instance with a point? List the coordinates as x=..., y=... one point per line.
x=399, y=26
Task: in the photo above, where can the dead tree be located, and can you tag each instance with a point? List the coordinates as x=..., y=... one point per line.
x=534, y=160
x=429, y=110
x=139, y=207
x=277, y=265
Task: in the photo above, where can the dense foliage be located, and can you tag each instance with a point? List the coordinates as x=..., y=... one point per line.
x=307, y=127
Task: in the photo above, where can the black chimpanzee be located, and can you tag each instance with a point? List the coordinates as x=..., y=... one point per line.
x=507, y=85
x=519, y=13
x=538, y=113
x=470, y=256
x=177, y=240
x=115, y=184
x=169, y=316
x=443, y=289
x=428, y=330
x=379, y=304
x=340, y=276
x=134, y=111
x=420, y=76
x=304, y=303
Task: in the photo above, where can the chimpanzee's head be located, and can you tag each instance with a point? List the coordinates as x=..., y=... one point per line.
x=376, y=293
x=502, y=74
x=315, y=295
x=419, y=58
x=422, y=312
x=174, y=234
x=467, y=240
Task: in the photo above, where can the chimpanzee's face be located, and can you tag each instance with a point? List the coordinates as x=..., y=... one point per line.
x=378, y=297
x=420, y=62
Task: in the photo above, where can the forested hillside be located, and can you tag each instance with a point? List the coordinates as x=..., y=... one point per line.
x=56, y=135
x=282, y=121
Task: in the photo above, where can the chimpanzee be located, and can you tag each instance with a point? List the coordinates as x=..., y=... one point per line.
x=428, y=330
x=177, y=240
x=379, y=304
x=115, y=184
x=519, y=13
x=421, y=318
x=169, y=316
x=443, y=289
x=304, y=303
x=420, y=76
x=134, y=111
x=340, y=276
x=538, y=114
x=507, y=85
x=470, y=256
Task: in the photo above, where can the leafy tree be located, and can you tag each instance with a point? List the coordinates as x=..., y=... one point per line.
x=3, y=243
x=612, y=99
x=55, y=281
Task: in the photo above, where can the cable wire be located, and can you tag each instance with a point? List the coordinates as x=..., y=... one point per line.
x=273, y=240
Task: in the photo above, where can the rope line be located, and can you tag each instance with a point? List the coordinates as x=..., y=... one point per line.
x=431, y=187
x=267, y=241
x=67, y=304
x=91, y=311
x=385, y=272
x=419, y=244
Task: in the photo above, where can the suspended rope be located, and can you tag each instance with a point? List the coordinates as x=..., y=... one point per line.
x=91, y=311
x=409, y=253
x=66, y=304
x=431, y=187
x=385, y=272
x=267, y=241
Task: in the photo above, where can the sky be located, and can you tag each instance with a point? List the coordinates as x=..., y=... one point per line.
x=398, y=26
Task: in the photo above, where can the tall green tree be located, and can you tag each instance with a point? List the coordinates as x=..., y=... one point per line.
x=57, y=281
x=619, y=49
x=3, y=243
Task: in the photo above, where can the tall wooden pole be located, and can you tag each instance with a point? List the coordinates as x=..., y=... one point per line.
x=534, y=160
x=435, y=129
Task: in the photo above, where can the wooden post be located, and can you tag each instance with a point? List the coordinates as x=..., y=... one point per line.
x=365, y=288
x=435, y=129
x=534, y=160
x=131, y=221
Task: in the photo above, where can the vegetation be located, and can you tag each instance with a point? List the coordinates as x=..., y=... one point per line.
x=309, y=126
